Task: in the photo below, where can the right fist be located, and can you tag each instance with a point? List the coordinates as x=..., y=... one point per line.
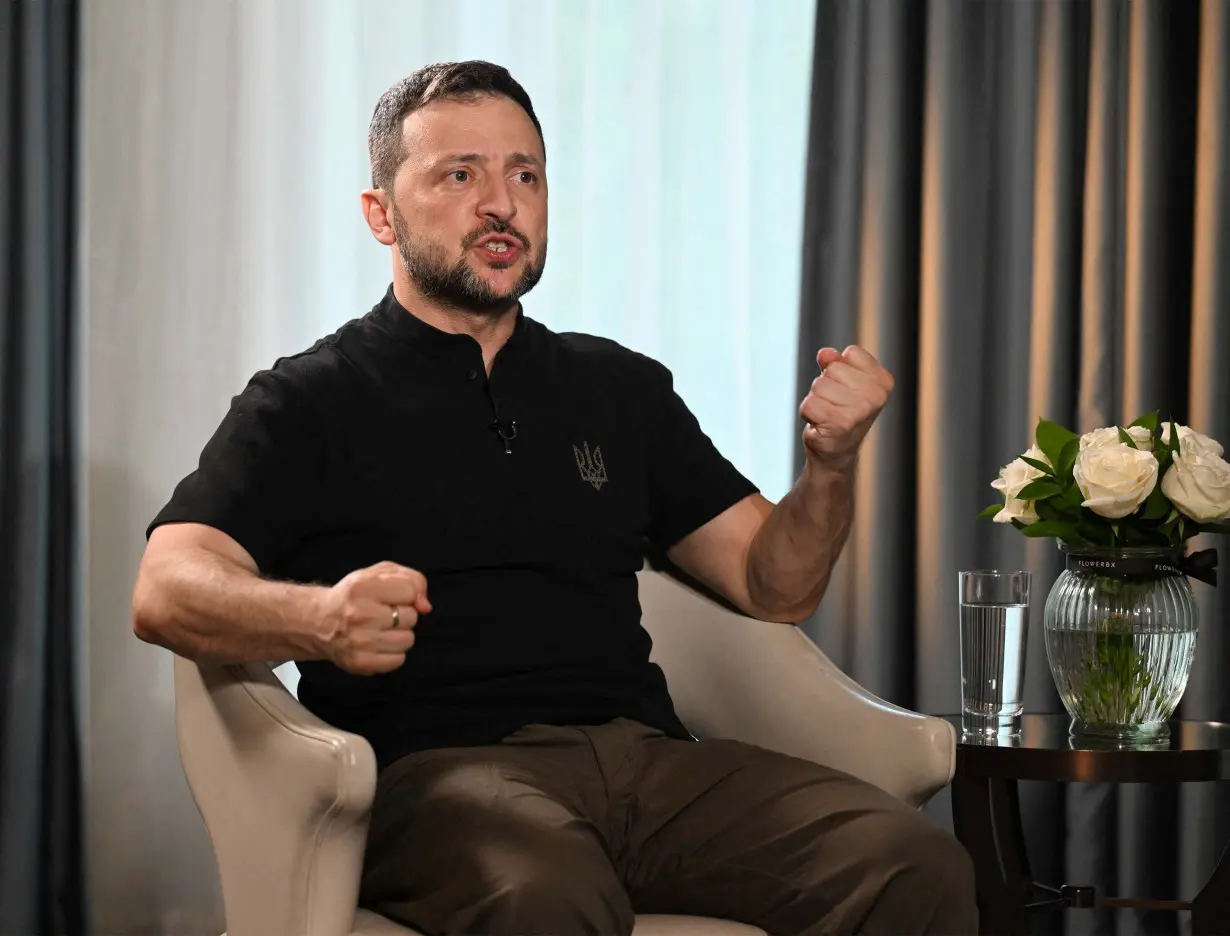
x=359, y=635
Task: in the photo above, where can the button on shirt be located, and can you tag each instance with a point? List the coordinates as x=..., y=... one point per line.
x=526, y=498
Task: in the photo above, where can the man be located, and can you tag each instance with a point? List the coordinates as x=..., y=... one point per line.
x=438, y=512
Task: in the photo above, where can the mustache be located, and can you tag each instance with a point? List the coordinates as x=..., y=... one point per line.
x=495, y=227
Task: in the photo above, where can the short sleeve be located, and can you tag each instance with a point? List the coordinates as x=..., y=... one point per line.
x=690, y=481
x=260, y=475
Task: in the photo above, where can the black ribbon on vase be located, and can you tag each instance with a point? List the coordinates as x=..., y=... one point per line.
x=1201, y=565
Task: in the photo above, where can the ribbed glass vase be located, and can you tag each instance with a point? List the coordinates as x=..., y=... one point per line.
x=1120, y=629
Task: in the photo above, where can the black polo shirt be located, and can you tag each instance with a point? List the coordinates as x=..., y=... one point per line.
x=387, y=441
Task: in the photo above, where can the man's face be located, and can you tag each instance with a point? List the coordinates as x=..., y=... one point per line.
x=470, y=203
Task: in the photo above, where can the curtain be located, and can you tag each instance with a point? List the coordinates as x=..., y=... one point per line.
x=1024, y=210
x=41, y=888
x=224, y=150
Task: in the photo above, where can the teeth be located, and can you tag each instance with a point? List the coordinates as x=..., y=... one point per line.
x=497, y=246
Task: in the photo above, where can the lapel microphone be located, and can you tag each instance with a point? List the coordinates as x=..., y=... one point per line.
x=507, y=431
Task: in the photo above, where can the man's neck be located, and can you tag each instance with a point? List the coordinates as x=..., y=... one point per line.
x=490, y=330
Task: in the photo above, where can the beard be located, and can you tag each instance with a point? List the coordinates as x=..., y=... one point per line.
x=457, y=285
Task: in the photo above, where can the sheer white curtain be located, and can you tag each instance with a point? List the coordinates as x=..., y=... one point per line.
x=676, y=141
x=224, y=153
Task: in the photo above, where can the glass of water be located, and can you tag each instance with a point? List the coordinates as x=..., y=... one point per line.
x=994, y=627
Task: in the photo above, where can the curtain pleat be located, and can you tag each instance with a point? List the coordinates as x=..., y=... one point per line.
x=41, y=879
x=1024, y=210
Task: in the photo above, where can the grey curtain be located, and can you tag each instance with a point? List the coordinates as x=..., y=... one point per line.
x=1024, y=209
x=40, y=840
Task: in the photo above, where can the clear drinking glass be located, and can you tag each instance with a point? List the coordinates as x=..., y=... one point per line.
x=994, y=627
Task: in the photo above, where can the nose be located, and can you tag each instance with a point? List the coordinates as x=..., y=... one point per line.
x=495, y=200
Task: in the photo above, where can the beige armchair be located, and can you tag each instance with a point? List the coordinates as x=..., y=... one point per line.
x=285, y=797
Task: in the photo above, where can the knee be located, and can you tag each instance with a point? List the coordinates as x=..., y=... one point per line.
x=503, y=888
x=915, y=857
x=545, y=892
x=934, y=853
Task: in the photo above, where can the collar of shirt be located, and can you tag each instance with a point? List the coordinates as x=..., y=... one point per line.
x=408, y=329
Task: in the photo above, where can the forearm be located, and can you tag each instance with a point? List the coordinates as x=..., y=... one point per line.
x=792, y=555
x=204, y=607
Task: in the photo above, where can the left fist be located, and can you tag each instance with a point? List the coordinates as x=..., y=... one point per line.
x=843, y=403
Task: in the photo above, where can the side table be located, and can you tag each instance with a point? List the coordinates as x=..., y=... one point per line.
x=987, y=816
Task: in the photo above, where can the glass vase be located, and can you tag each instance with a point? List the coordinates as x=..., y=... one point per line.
x=1120, y=629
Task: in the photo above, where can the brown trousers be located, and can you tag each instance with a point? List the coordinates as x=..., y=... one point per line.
x=574, y=830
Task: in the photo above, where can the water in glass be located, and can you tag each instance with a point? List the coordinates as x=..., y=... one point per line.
x=994, y=628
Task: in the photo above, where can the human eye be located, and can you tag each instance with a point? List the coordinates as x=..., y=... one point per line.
x=459, y=175
x=526, y=177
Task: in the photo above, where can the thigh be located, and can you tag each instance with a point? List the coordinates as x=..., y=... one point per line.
x=731, y=830
x=462, y=838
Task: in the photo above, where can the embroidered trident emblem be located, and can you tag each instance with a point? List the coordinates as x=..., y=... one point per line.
x=591, y=465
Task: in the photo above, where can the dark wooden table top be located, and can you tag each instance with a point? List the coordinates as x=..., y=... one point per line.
x=1044, y=750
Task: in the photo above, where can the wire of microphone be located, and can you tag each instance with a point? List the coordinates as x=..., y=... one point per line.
x=506, y=431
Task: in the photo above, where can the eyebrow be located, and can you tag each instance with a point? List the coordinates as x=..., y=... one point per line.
x=513, y=159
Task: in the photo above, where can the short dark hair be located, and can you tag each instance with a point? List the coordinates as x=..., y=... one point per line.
x=463, y=81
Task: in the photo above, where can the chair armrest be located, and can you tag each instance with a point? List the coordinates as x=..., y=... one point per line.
x=767, y=684
x=285, y=798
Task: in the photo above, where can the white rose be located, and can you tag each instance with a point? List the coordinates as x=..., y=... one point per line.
x=1110, y=436
x=1199, y=485
x=1192, y=442
x=1115, y=479
x=1011, y=481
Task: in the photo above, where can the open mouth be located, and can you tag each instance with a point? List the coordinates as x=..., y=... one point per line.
x=499, y=247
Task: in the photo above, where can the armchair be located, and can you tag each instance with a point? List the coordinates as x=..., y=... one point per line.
x=285, y=797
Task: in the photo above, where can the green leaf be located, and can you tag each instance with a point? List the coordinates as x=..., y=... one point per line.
x=1040, y=465
x=1164, y=459
x=1126, y=439
x=1056, y=508
x=1149, y=421
x=1055, y=528
x=1097, y=533
x=1073, y=497
x=1170, y=527
x=1051, y=438
x=1042, y=487
x=990, y=511
x=1157, y=505
x=1067, y=458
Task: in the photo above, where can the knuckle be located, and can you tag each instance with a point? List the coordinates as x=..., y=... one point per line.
x=353, y=616
x=411, y=576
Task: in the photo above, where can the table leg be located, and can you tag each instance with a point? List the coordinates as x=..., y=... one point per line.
x=1211, y=907
x=1010, y=834
x=987, y=820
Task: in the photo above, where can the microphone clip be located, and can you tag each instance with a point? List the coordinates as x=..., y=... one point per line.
x=506, y=433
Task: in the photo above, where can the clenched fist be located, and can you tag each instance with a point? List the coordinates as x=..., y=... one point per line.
x=369, y=618
x=842, y=404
